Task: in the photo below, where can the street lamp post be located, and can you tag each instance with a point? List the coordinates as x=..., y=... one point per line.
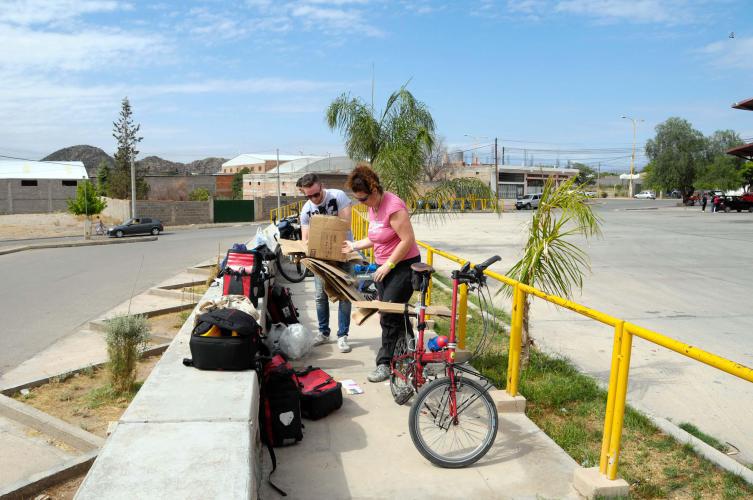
x=632, y=158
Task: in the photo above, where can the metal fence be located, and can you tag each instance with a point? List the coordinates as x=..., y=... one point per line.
x=285, y=211
x=624, y=332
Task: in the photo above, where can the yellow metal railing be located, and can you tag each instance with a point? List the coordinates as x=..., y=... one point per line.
x=285, y=211
x=621, y=351
x=458, y=204
x=359, y=226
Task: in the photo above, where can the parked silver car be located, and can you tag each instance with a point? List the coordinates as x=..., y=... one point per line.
x=528, y=202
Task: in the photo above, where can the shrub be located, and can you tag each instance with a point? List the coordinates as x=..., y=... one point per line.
x=126, y=339
x=199, y=194
x=603, y=194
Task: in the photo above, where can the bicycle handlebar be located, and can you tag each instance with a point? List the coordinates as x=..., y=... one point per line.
x=477, y=274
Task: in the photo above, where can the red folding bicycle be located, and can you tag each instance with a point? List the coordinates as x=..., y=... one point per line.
x=453, y=421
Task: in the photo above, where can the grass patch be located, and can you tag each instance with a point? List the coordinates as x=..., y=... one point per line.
x=569, y=406
x=709, y=440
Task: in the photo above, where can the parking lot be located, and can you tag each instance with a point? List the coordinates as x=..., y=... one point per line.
x=676, y=270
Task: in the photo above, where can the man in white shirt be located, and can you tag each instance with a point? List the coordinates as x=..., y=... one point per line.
x=326, y=202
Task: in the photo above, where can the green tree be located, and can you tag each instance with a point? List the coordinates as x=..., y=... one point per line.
x=103, y=178
x=199, y=194
x=125, y=132
x=87, y=201
x=722, y=141
x=721, y=174
x=746, y=174
x=586, y=175
x=237, y=185
x=551, y=262
x=677, y=154
x=394, y=141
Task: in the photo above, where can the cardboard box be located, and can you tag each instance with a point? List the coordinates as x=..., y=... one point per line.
x=326, y=236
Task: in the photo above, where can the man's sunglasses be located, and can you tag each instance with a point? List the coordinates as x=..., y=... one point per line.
x=362, y=200
x=314, y=195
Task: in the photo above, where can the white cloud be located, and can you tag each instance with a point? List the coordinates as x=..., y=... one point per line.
x=731, y=53
x=640, y=11
x=81, y=50
x=29, y=12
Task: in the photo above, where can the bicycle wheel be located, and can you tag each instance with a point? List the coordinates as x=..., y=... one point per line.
x=290, y=268
x=457, y=442
x=402, y=363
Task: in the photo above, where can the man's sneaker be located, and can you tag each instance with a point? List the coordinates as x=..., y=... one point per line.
x=321, y=339
x=342, y=343
x=381, y=374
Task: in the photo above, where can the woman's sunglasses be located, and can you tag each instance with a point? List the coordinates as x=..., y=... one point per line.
x=362, y=200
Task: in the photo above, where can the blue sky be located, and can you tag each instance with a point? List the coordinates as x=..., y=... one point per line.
x=219, y=78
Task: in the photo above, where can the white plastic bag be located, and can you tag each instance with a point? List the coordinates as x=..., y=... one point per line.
x=272, y=340
x=296, y=341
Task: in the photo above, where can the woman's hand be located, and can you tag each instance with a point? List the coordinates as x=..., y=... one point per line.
x=348, y=246
x=382, y=272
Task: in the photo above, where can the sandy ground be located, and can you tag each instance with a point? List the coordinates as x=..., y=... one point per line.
x=23, y=226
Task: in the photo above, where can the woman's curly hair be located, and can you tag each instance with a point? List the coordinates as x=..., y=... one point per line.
x=363, y=180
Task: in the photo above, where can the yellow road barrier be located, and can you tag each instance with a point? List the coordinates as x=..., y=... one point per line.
x=621, y=350
x=285, y=211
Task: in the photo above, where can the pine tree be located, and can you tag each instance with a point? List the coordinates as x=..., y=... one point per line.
x=125, y=133
x=103, y=178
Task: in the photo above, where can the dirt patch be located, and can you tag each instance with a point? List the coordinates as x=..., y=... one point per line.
x=81, y=399
x=62, y=491
x=24, y=226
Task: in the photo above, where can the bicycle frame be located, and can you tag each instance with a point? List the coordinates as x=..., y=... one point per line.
x=421, y=356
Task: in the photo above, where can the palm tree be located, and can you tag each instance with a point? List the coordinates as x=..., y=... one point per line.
x=395, y=142
x=550, y=262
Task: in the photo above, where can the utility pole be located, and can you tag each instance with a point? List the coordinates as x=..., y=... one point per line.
x=133, y=187
x=632, y=158
x=278, y=182
x=598, y=174
x=496, y=170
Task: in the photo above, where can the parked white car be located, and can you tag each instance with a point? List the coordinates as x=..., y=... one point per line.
x=528, y=202
x=645, y=195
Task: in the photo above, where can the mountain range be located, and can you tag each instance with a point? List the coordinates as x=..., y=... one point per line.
x=92, y=156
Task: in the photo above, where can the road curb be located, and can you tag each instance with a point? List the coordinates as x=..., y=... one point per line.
x=7, y=391
x=32, y=485
x=705, y=450
x=79, y=243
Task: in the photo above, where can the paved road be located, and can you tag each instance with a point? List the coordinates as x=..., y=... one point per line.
x=678, y=271
x=51, y=293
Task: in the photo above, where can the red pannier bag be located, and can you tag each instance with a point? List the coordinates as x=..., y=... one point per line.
x=320, y=393
x=242, y=275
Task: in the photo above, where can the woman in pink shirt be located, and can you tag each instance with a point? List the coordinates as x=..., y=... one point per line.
x=395, y=249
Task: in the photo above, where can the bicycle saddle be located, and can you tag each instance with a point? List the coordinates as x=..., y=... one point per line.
x=422, y=268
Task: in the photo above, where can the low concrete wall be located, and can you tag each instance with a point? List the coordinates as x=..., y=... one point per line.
x=187, y=434
x=169, y=212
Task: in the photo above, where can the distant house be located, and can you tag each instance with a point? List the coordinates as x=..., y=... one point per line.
x=260, y=163
x=333, y=171
x=28, y=187
x=514, y=181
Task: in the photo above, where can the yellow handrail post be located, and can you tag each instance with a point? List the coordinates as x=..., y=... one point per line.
x=618, y=418
x=429, y=261
x=516, y=332
x=609, y=414
x=462, y=315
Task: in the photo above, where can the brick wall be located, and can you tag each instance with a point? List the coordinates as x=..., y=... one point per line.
x=224, y=186
x=176, y=212
x=49, y=195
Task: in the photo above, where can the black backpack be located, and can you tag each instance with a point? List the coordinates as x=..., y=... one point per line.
x=224, y=339
x=280, y=306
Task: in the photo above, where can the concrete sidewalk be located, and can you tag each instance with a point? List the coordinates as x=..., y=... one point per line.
x=364, y=449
